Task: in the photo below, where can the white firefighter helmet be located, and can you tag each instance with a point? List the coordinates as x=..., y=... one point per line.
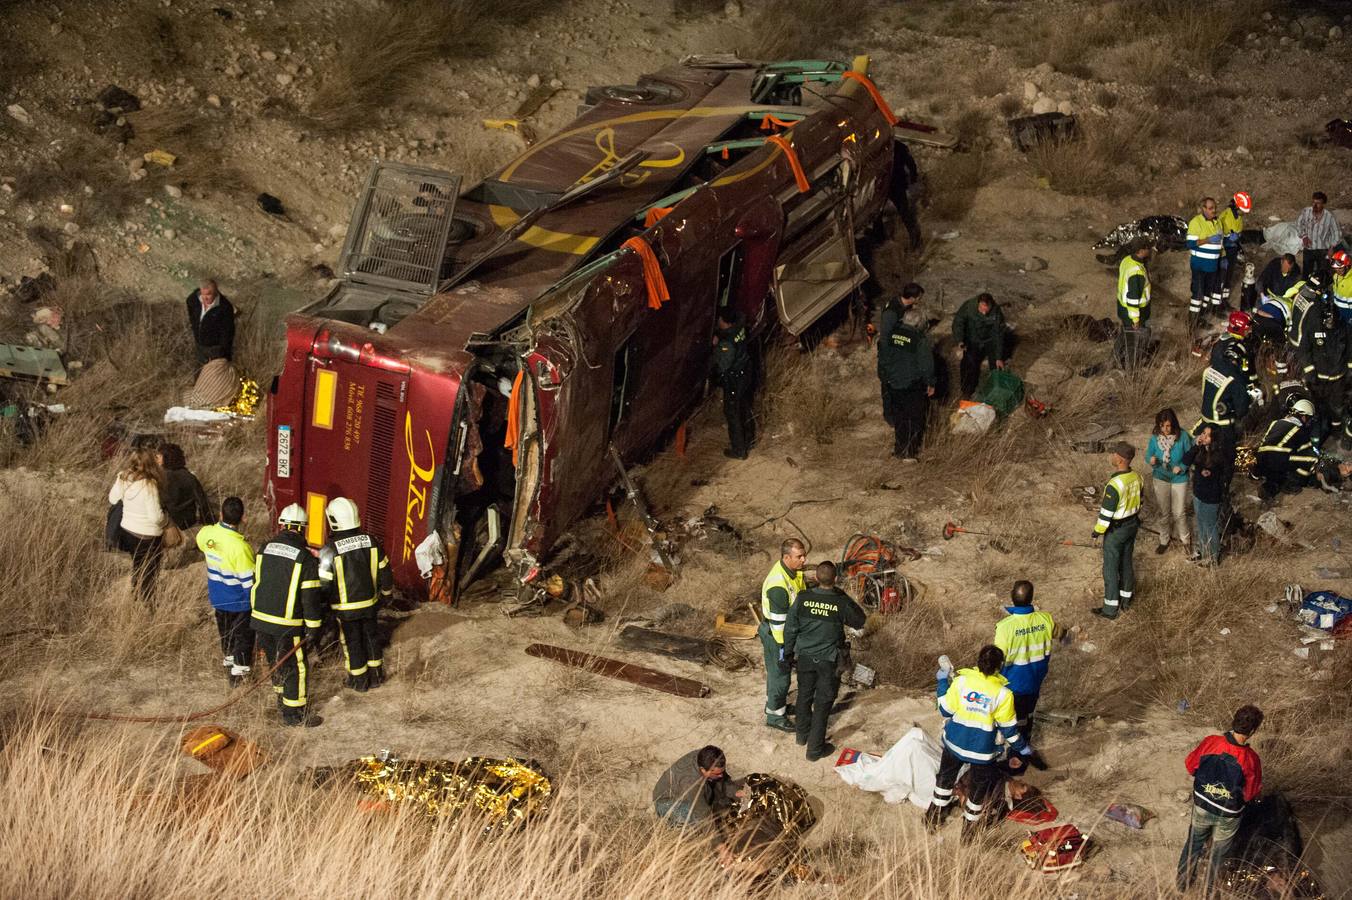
x=1302, y=407
x=342, y=514
x=293, y=517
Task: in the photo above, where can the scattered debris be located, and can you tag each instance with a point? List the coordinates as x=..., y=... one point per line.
x=222, y=750
x=1130, y=814
x=271, y=205
x=613, y=668
x=736, y=630
x=1066, y=718
x=1029, y=131
x=1340, y=132
x=31, y=290
x=160, y=158
x=19, y=114
x=1055, y=849
x=115, y=100
x=38, y=364
x=538, y=97
x=862, y=676
x=1093, y=438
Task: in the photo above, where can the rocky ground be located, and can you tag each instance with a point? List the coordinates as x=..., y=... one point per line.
x=229, y=92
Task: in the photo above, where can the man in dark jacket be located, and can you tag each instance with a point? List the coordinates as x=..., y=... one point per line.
x=904, y=175
x=732, y=363
x=906, y=365
x=813, y=636
x=1324, y=358
x=1227, y=774
x=979, y=329
x=1279, y=276
x=696, y=789
x=212, y=321
x=888, y=317
x=355, y=571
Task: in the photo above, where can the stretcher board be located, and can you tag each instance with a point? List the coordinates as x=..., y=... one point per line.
x=613, y=668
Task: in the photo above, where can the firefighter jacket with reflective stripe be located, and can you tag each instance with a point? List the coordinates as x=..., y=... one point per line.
x=1204, y=243
x=975, y=707
x=1287, y=443
x=1026, y=637
x=287, y=598
x=1121, y=500
x=816, y=625
x=1225, y=399
x=1232, y=223
x=1133, y=290
x=778, y=592
x=1323, y=354
x=230, y=567
x=1226, y=774
x=1342, y=295
x=355, y=573
x=1302, y=298
x=1230, y=356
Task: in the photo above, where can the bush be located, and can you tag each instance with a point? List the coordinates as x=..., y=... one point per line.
x=802, y=29
x=1103, y=159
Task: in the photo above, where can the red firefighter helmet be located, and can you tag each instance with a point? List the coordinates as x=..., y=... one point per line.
x=1243, y=202
x=1239, y=324
x=1339, y=259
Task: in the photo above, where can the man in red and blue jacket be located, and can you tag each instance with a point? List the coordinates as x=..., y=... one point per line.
x=1226, y=775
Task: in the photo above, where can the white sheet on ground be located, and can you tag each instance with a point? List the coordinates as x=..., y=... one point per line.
x=185, y=414
x=1281, y=238
x=906, y=772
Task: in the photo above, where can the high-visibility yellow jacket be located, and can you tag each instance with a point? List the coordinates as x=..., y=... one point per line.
x=976, y=706
x=1025, y=635
x=230, y=567
x=778, y=592
x=1133, y=296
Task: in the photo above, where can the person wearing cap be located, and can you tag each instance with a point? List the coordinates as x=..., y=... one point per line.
x=1205, y=248
x=1232, y=223
x=1118, y=522
x=1341, y=264
x=1319, y=233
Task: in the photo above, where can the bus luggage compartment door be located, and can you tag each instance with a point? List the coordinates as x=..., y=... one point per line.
x=815, y=273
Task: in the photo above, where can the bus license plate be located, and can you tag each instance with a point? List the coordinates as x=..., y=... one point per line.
x=283, y=451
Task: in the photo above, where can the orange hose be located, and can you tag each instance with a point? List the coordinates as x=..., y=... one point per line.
x=513, y=438
x=798, y=174
x=652, y=272
x=876, y=94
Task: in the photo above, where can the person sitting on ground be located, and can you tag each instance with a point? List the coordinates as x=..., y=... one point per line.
x=1169, y=475
x=696, y=789
x=1227, y=775
x=982, y=336
x=211, y=318
x=1279, y=276
x=183, y=498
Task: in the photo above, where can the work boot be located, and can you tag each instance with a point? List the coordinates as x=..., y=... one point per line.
x=1160, y=548
x=780, y=723
x=302, y=720
x=934, y=817
x=235, y=680
x=827, y=749
x=1037, y=762
x=357, y=682
x=971, y=831
x=375, y=677
x=1098, y=611
x=800, y=739
x=733, y=454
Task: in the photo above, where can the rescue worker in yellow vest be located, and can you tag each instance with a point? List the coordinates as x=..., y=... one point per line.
x=356, y=574
x=778, y=591
x=1232, y=226
x=1117, y=524
x=1205, y=248
x=1341, y=264
x=288, y=611
x=1133, y=286
x=1025, y=636
x=975, y=705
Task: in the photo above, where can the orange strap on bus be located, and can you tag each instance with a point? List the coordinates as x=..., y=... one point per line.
x=652, y=272
x=513, y=438
x=770, y=122
x=876, y=94
x=798, y=174
x=655, y=215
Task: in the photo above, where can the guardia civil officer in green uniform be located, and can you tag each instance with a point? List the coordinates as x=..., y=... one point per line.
x=1118, y=521
x=906, y=364
x=813, y=637
x=778, y=592
x=732, y=363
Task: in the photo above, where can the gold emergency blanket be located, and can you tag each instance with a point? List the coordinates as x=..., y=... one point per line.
x=781, y=802
x=1245, y=457
x=506, y=792
x=246, y=401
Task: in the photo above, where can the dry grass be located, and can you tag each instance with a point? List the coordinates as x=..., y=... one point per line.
x=801, y=29
x=386, y=45
x=952, y=182
x=1103, y=159
x=1202, y=38
x=62, y=177
x=801, y=394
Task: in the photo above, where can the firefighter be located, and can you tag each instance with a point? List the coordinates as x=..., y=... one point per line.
x=1225, y=399
x=814, y=635
x=1205, y=247
x=1232, y=352
x=778, y=592
x=1300, y=298
x=356, y=574
x=1232, y=225
x=1324, y=355
x=1118, y=522
x=1025, y=637
x=732, y=362
x=975, y=704
x=288, y=611
x=1286, y=458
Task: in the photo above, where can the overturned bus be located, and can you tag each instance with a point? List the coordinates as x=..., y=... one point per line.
x=483, y=352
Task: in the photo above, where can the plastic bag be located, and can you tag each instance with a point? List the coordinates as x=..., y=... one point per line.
x=1282, y=238
x=973, y=418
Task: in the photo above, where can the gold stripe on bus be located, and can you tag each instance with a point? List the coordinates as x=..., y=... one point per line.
x=326, y=394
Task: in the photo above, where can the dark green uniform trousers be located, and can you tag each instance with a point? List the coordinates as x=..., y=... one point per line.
x=776, y=682
x=1119, y=575
x=817, y=687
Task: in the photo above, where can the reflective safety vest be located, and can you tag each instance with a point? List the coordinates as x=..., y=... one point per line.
x=975, y=706
x=1131, y=267
x=1123, y=492
x=775, y=616
x=1287, y=442
x=1025, y=635
x=357, y=573
x=286, y=597
x=1232, y=223
x=1206, y=257
x=1300, y=301
x=1342, y=294
x=230, y=567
